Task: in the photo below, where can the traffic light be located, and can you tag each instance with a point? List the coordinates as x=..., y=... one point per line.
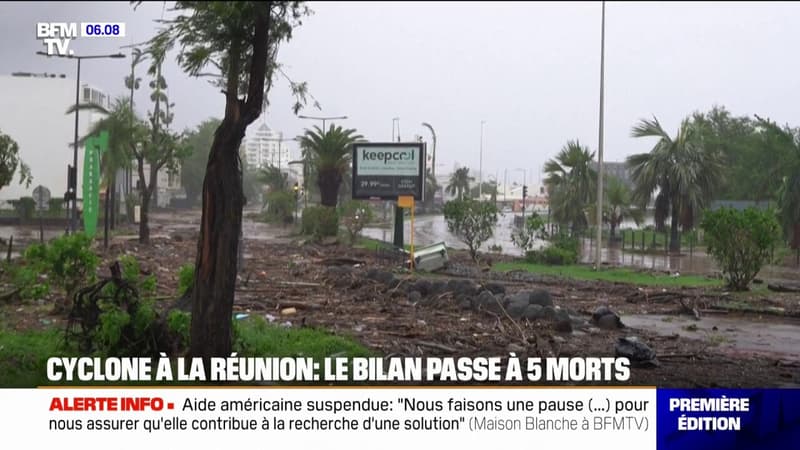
x=524, y=192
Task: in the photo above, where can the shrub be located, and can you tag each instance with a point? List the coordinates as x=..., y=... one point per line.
x=355, y=216
x=472, y=221
x=280, y=207
x=552, y=255
x=185, y=278
x=526, y=236
x=741, y=242
x=320, y=221
x=67, y=262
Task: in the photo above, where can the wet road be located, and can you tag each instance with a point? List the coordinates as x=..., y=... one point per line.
x=433, y=229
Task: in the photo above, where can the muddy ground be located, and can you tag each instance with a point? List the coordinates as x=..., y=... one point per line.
x=280, y=273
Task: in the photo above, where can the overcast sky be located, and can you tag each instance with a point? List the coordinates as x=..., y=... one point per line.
x=531, y=71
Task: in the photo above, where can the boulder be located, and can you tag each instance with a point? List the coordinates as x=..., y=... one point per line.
x=414, y=296
x=636, y=351
x=563, y=326
x=533, y=312
x=495, y=288
x=540, y=297
x=423, y=286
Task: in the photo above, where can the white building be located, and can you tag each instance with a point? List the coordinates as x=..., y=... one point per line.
x=265, y=147
x=34, y=114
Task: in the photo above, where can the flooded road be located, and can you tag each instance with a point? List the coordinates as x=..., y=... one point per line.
x=433, y=229
x=779, y=338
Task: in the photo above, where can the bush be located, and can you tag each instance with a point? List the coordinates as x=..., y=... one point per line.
x=185, y=278
x=472, y=221
x=280, y=207
x=741, y=242
x=68, y=262
x=563, y=250
x=526, y=236
x=320, y=221
x=355, y=215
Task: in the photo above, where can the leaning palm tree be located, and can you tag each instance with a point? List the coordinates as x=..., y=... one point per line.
x=681, y=170
x=328, y=153
x=459, y=182
x=571, y=184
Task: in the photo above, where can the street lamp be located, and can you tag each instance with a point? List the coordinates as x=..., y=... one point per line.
x=323, y=119
x=433, y=154
x=72, y=173
x=296, y=189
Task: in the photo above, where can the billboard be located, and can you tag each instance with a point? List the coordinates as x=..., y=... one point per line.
x=388, y=170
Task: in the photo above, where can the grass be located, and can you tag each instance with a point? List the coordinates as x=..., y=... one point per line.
x=259, y=338
x=375, y=244
x=617, y=275
x=24, y=354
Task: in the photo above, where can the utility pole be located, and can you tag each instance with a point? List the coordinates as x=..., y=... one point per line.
x=597, y=260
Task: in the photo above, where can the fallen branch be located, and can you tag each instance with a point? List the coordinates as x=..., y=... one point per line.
x=437, y=346
x=783, y=288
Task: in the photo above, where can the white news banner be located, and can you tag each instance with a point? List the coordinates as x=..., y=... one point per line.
x=330, y=418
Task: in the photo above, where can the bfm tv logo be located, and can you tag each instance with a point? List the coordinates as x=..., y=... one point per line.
x=56, y=36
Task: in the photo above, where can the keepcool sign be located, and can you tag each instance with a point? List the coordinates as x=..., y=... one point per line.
x=388, y=170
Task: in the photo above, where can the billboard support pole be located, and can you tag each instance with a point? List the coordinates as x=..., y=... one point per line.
x=398, y=227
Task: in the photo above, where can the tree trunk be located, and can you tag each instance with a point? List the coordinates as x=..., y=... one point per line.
x=144, y=227
x=329, y=181
x=218, y=246
x=674, y=242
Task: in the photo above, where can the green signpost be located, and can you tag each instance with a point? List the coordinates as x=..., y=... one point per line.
x=94, y=148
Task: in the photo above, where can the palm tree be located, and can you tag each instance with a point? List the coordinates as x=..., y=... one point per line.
x=459, y=182
x=571, y=184
x=618, y=205
x=124, y=132
x=328, y=153
x=273, y=178
x=681, y=169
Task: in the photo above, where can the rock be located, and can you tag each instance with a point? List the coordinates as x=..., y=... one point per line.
x=600, y=312
x=515, y=348
x=636, y=351
x=288, y=311
x=540, y=297
x=382, y=276
x=329, y=240
x=495, y=288
x=549, y=313
x=609, y=322
x=438, y=287
x=533, y=312
x=563, y=326
x=414, y=296
x=559, y=339
x=461, y=287
x=516, y=309
x=465, y=303
x=423, y=286
x=487, y=301
x=521, y=297
x=562, y=315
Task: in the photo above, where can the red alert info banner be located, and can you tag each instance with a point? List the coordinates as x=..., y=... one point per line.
x=387, y=416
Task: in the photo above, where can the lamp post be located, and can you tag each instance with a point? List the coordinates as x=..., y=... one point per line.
x=480, y=168
x=296, y=199
x=323, y=119
x=600, y=140
x=433, y=154
x=72, y=173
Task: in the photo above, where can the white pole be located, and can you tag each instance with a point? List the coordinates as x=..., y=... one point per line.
x=600, y=141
